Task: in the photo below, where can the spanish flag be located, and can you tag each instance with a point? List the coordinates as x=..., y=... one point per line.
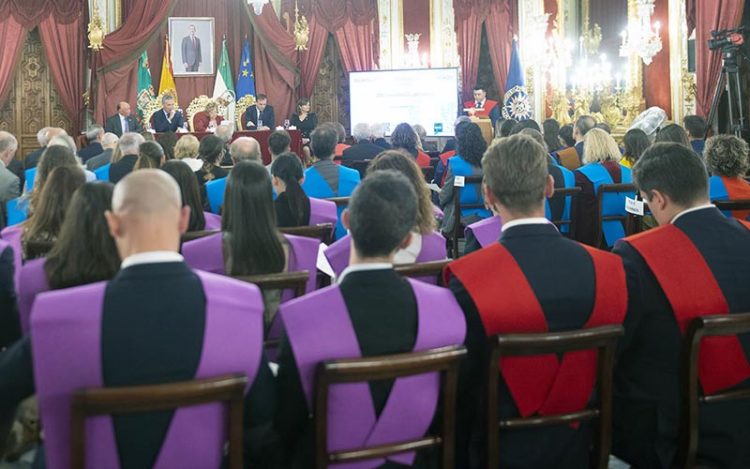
x=166, y=83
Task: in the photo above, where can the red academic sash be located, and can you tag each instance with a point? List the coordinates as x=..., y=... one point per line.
x=489, y=105
x=737, y=189
x=692, y=291
x=554, y=386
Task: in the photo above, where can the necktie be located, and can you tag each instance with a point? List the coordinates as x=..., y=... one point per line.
x=125, y=126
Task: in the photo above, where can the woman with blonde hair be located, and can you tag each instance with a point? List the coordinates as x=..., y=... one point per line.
x=601, y=165
x=209, y=119
x=426, y=244
x=186, y=150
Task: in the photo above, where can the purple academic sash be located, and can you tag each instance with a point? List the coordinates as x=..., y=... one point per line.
x=319, y=328
x=66, y=327
x=12, y=235
x=433, y=249
x=33, y=281
x=486, y=231
x=207, y=254
x=213, y=221
x=322, y=211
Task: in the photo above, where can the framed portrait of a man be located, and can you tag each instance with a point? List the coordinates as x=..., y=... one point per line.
x=192, y=44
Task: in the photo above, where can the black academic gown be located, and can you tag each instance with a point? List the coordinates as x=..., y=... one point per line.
x=9, y=326
x=561, y=274
x=153, y=323
x=646, y=407
x=383, y=310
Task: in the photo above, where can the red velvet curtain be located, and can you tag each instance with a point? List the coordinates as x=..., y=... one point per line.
x=551, y=7
x=276, y=74
x=116, y=64
x=28, y=13
x=357, y=46
x=500, y=18
x=690, y=14
x=65, y=48
x=501, y=25
x=657, y=88
x=711, y=15
x=309, y=60
x=12, y=37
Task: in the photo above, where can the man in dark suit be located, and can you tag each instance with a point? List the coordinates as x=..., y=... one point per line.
x=278, y=143
x=260, y=111
x=380, y=308
x=129, y=146
x=363, y=149
x=696, y=263
x=44, y=136
x=191, y=51
x=94, y=138
x=122, y=122
x=174, y=313
x=109, y=143
x=9, y=327
x=532, y=280
x=168, y=119
x=696, y=128
x=10, y=184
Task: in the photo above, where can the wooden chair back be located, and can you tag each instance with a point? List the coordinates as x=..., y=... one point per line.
x=359, y=165
x=443, y=360
x=294, y=281
x=423, y=269
x=458, y=230
x=131, y=399
x=603, y=339
x=193, y=235
x=692, y=397
x=37, y=249
x=732, y=205
x=340, y=201
x=601, y=218
x=323, y=231
x=573, y=193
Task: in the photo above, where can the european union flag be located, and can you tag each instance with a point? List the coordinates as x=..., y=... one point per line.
x=516, y=103
x=245, y=80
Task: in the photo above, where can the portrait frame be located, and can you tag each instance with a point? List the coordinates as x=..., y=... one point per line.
x=187, y=59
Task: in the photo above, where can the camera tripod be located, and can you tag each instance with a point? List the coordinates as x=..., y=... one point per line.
x=730, y=80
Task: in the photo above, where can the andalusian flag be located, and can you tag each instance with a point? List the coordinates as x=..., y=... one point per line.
x=166, y=84
x=224, y=87
x=145, y=87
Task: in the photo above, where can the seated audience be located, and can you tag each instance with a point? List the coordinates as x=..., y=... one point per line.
x=370, y=311
x=696, y=128
x=278, y=142
x=150, y=156
x=186, y=150
x=448, y=152
x=246, y=148
x=673, y=133
x=168, y=141
x=565, y=137
x=207, y=120
x=605, y=127
x=250, y=243
x=53, y=157
x=467, y=162
x=188, y=326
x=292, y=204
x=551, y=129
x=526, y=124
x=341, y=142
x=425, y=244
x=191, y=197
x=128, y=147
x=405, y=138
x=9, y=327
x=325, y=179
x=503, y=127
x=533, y=280
x=94, y=136
x=225, y=132
x=601, y=160
x=33, y=158
x=10, y=184
x=83, y=253
x=45, y=223
x=424, y=145
x=363, y=148
x=109, y=143
x=696, y=263
x=211, y=151
x=636, y=142
x=378, y=136
x=727, y=160
x=568, y=158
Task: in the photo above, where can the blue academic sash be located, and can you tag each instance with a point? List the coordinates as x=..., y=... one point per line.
x=612, y=203
x=570, y=181
x=460, y=167
x=316, y=186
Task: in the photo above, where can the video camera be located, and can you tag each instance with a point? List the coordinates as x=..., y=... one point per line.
x=727, y=38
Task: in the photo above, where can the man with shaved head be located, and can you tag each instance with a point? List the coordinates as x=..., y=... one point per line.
x=122, y=122
x=157, y=321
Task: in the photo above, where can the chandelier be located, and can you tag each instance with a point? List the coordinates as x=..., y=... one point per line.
x=642, y=38
x=257, y=5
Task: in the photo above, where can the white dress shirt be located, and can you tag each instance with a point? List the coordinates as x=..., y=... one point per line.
x=363, y=268
x=693, y=209
x=525, y=221
x=151, y=257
